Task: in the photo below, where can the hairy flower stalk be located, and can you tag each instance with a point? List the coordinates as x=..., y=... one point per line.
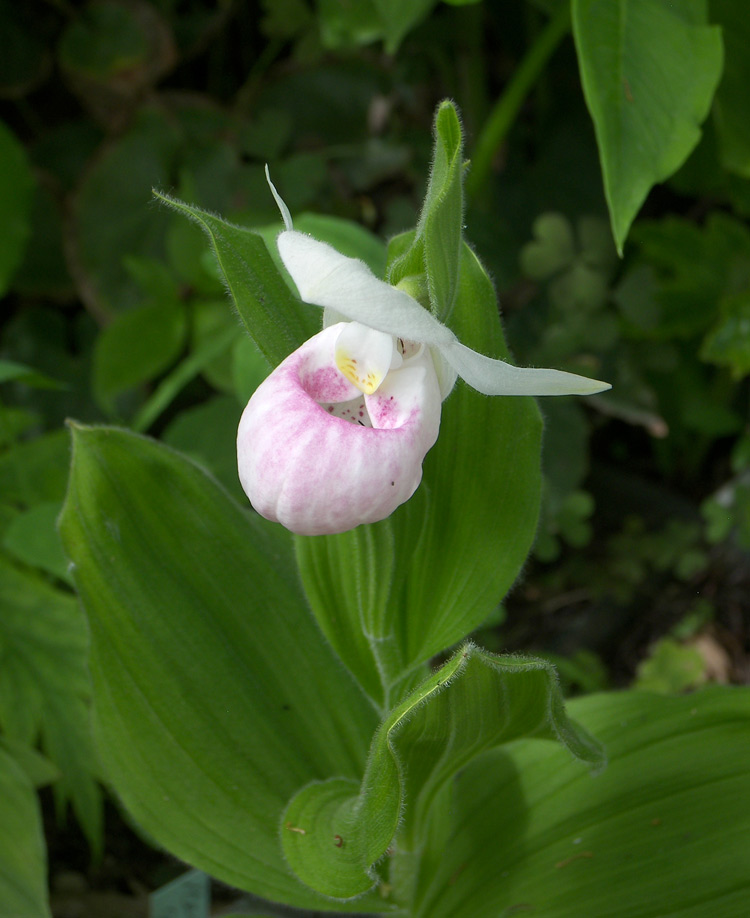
x=337, y=434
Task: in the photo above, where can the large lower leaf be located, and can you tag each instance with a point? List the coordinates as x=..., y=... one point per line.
x=336, y=830
x=649, y=70
x=390, y=596
x=215, y=696
x=23, y=859
x=663, y=831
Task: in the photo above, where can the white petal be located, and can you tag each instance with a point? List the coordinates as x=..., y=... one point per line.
x=445, y=373
x=327, y=278
x=412, y=389
x=495, y=377
x=365, y=356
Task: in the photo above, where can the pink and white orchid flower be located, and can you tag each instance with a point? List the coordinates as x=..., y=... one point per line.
x=337, y=434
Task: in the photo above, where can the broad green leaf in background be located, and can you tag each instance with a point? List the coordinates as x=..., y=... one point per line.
x=346, y=24
x=659, y=832
x=110, y=53
x=110, y=217
x=391, y=596
x=730, y=106
x=23, y=857
x=552, y=249
x=38, y=769
x=190, y=258
x=671, y=667
x=649, y=70
x=31, y=537
x=44, y=687
x=58, y=344
x=16, y=186
x=136, y=347
x=435, y=249
x=43, y=271
x=399, y=17
x=215, y=696
x=209, y=319
x=683, y=275
x=19, y=372
x=728, y=343
x=275, y=319
x=14, y=423
x=35, y=470
x=206, y=351
x=249, y=369
x=474, y=702
x=105, y=41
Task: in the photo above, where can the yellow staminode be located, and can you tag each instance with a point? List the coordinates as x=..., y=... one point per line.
x=364, y=356
x=367, y=383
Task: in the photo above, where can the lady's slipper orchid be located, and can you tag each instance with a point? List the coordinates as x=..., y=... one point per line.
x=336, y=435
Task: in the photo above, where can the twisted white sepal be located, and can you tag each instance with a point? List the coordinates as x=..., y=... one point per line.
x=347, y=287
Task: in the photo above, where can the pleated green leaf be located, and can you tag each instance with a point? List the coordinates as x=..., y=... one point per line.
x=391, y=596
x=663, y=831
x=649, y=69
x=23, y=857
x=274, y=318
x=215, y=696
x=337, y=830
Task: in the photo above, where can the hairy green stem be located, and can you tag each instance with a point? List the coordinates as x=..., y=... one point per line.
x=508, y=105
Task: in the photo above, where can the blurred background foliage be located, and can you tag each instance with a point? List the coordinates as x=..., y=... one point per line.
x=113, y=311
